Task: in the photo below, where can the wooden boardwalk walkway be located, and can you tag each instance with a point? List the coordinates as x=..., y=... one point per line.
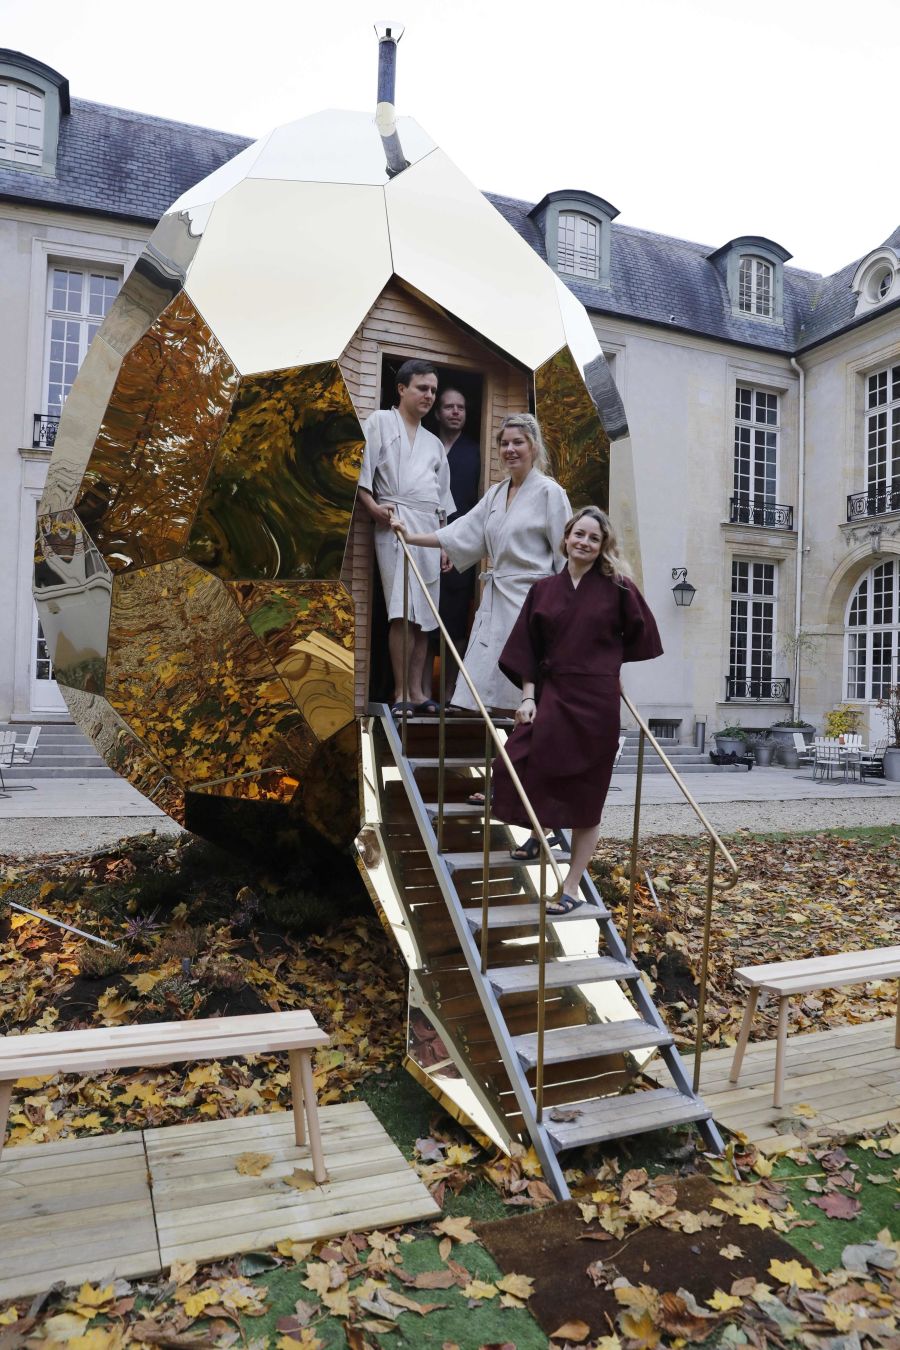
x=844, y=1081
x=129, y=1204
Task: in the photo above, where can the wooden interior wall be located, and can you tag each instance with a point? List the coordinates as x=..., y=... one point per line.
x=403, y=325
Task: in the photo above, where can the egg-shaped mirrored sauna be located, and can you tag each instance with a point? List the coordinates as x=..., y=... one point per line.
x=205, y=578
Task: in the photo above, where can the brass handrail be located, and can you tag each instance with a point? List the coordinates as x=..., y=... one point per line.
x=492, y=736
x=715, y=846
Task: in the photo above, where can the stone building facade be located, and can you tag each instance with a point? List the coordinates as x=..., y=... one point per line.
x=763, y=403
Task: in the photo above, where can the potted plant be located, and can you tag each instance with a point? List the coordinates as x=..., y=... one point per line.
x=842, y=721
x=731, y=740
x=782, y=734
x=890, y=706
x=763, y=750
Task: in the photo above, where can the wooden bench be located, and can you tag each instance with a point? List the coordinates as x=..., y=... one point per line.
x=783, y=978
x=101, y=1048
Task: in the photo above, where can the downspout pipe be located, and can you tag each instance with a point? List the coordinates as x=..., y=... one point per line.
x=385, y=112
x=801, y=488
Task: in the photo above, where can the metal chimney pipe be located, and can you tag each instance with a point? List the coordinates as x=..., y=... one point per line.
x=389, y=34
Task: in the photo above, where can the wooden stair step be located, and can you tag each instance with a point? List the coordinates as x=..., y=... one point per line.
x=463, y=862
x=559, y=974
x=565, y=1044
x=526, y=916
x=617, y=1117
x=450, y=762
x=456, y=809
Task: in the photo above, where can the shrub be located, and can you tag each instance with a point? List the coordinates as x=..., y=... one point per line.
x=98, y=963
x=842, y=721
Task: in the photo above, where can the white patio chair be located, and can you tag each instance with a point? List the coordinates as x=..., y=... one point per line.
x=828, y=756
x=621, y=747
x=805, y=753
x=7, y=747
x=24, y=753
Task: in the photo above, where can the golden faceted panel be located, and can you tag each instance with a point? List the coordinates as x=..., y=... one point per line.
x=280, y=492
x=167, y=411
x=186, y=673
x=73, y=594
x=307, y=630
x=578, y=445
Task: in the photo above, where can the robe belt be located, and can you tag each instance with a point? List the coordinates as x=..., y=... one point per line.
x=414, y=504
x=487, y=598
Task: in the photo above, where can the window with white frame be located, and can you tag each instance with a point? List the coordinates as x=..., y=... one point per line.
x=883, y=440
x=755, y=287
x=753, y=601
x=78, y=300
x=872, y=633
x=756, y=429
x=578, y=245
x=21, y=124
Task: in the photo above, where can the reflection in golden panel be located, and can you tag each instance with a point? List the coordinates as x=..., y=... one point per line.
x=578, y=445
x=275, y=785
x=121, y=749
x=158, y=437
x=169, y=797
x=307, y=629
x=190, y=678
x=328, y=796
x=280, y=493
x=77, y=431
x=72, y=592
x=153, y=282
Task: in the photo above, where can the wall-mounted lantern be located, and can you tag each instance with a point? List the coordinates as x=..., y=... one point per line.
x=683, y=591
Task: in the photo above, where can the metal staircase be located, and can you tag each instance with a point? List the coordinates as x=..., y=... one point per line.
x=525, y=1025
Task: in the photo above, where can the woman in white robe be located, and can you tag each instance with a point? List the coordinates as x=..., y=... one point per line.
x=518, y=525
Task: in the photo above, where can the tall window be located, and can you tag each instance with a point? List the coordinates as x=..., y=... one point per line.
x=21, y=124
x=883, y=440
x=755, y=447
x=752, y=628
x=872, y=632
x=755, y=287
x=578, y=246
x=78, y=300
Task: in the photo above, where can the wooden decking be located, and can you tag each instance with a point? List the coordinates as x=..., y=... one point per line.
x=130, y=1204
x=838, y=1082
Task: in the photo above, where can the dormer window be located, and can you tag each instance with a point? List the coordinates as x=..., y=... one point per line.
x=576, y=228
x=752, y=268
x=876, y=279
x=755, y=289
x=21, y=124
x=578, y=245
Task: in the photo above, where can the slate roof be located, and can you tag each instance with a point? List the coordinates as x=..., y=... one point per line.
x=128, y=165
x=112, y=162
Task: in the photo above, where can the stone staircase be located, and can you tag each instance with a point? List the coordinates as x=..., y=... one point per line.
x=62, y=752
x=685, y=758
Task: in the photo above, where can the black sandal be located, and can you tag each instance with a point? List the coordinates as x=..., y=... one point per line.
x=399, y=709
x=527, y=852
x=564, y=905
x=476, y=799
x=429, y=708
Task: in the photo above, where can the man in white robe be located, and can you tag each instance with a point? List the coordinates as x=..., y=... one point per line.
x=405, y=473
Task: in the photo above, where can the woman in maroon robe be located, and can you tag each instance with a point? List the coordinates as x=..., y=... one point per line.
x=565, y=651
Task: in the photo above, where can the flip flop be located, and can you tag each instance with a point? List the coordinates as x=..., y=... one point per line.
x=527, y=852
x=398, y=709
x=564, y=905
x=429, y=708
x=475, y=799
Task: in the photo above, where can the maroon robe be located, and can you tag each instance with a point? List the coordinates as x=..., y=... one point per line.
x=571, y=642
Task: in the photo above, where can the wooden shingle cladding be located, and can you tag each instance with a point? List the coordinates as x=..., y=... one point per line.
x=401, y=324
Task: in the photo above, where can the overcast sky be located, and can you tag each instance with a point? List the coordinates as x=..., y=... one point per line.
x=702, y=118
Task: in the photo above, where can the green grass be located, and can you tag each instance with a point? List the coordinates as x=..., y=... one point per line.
x=456, y=1322
x=875, y=834
x=824, y=1243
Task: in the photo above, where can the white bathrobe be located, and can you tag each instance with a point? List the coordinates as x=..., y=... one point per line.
x=523, y=544
x=416, y=482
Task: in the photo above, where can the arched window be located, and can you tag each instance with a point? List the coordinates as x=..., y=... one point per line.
x=21, y=124
x=872, y=629
x=578, y=245
x=755, y=287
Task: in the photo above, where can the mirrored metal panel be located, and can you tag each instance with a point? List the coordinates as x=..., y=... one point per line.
x=189, y=677
x=327, y=800
x=453, y=246
x=288, y=270
x=280, y=493
x=582, y=342
x=122, y=750
x=216, y=184
x=275, y=785
x=73, y=594
x=336, y=146
x=153, y=451
x=307, y=630
x=79, y=424
x=578, y=445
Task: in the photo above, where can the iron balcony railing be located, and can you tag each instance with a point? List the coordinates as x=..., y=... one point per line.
x=43, y=437
x=761, y=691
x=493, y=742
x=771, y=514
x=862, y=504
